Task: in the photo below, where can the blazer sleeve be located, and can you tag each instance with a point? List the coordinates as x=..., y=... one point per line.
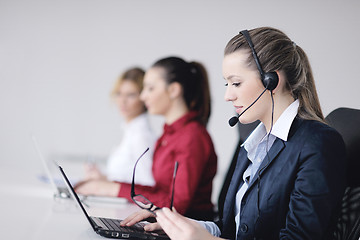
x=319, y=186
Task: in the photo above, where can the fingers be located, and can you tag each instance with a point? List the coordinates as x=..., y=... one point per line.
x=141, y=216
x=81, y=187
x=169, y=222
x=87, y=187
x=152, y=227
x=178, y=227
x=77, y=185
x=176, y=218
x=135, y=217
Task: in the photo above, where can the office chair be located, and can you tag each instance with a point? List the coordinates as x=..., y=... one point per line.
x=346, y=121
x=244, y=131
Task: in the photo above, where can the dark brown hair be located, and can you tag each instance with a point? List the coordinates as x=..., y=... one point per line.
x=193, y=78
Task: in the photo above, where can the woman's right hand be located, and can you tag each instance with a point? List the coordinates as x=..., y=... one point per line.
x=180, y=227
x=141, y=215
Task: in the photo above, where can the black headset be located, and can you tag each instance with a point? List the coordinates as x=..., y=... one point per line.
x=269, y=79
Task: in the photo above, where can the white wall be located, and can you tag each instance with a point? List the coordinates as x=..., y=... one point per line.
x=59, y=59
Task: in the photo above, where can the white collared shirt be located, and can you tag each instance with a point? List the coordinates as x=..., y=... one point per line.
x=137, y=137
x=257, y=146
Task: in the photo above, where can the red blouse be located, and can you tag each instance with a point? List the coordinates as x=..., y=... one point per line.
x=188, y=142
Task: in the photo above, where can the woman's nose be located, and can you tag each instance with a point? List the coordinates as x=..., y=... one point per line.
x=229, y=95
x=121, y=100
x=142, y=96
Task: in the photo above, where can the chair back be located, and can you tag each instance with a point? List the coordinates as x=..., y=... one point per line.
x=346, y=121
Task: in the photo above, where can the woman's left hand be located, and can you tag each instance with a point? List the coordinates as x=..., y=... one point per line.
x=93, y=172
x=142, y=215
x=180, y=227
x=98, y=187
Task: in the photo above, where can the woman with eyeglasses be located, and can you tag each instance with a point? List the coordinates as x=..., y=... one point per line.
x=179, y=91
x=137, y=135
x=290, y=175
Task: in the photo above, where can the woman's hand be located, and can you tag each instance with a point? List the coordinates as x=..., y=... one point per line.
x=142, y=215
x=98, y=187
x=182, y=228
x=92, y=172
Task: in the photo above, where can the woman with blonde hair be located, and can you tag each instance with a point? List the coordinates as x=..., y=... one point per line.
x=137, y=135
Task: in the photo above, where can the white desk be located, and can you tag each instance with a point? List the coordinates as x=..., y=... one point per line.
x=29, y=210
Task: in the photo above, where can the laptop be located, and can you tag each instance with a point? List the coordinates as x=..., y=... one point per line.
x=111, y=228
x=60, y=190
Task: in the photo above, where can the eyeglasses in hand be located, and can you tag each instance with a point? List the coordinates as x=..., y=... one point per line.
x=142, y=201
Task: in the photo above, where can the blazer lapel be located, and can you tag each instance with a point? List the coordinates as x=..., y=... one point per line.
x=276, y=148
x=271, y=155
x=241, y=165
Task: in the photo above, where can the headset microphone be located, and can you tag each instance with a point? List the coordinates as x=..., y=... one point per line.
x=233, y=121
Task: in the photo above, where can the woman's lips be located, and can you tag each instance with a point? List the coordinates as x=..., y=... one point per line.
x=238, y=109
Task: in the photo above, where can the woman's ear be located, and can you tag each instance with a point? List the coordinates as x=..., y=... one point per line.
x=175, y=90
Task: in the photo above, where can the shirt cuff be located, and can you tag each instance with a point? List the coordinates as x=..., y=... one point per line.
x=211, y=227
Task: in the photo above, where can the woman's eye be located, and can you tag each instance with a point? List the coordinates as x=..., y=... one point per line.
x=147, y=88
x=236, y=84
x=132, y=95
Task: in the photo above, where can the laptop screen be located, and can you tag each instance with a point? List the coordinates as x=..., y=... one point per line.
x=75, y=196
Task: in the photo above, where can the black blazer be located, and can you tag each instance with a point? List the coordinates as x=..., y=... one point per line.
x=300, y=188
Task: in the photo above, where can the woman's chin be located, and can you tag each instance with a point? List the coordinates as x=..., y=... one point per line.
x=244, y=120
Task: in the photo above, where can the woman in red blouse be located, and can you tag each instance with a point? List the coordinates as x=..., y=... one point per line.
x=179, y=91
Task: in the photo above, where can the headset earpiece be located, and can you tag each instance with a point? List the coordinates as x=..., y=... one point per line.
x=269, y=79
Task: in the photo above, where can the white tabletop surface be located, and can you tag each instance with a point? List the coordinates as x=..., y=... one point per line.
x=29, y=210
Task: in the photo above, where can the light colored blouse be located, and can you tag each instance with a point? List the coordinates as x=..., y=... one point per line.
x=138, y=136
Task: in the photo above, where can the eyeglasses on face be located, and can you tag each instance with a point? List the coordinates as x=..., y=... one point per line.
x=142, y=201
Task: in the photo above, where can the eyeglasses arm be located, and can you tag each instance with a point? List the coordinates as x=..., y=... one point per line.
x=173, y=184
x=133, y=176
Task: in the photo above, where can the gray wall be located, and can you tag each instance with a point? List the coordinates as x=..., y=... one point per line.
x=59, y=59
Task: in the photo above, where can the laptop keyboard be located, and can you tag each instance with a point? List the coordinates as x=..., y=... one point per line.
x=114, y=224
